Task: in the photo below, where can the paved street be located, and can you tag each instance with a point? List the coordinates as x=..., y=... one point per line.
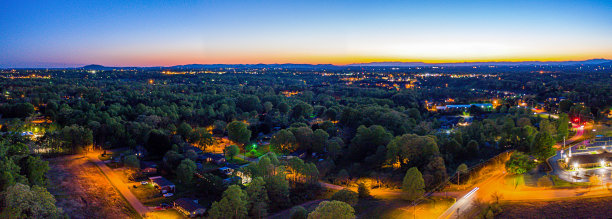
x=119, y=185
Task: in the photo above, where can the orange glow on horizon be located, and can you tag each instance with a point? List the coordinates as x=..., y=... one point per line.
x=335, y=60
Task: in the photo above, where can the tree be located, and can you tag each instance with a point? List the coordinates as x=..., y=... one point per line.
x=36, y=170
x=24, y=202
x=185, y=171
x=303, y=137
x=257, y=198
x=283, y=142
x=417, y=150
x=233, y=204
x=367, y=140
x=278, y=190
x=363, y=190
x=319, y=139
x=77, y=137
x=184, y=130
x=131, y=161
x=238, y=132
x=519, y=163
x=461, y=169
x=334, y=147
x=413, y=185
x=343, y=176
x=231, y=151
x=346, y=195
x=437, y=169
x=299, y=212
x=201, y=137
x=542, y=146
x=472, y=148
x=191, y=154
x=562, y=126
x=332, y=210
x=158, y=142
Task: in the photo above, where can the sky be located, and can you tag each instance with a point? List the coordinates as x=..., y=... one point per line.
x=53, y=33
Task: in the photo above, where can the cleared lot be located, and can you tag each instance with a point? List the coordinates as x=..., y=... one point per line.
x=83, y=192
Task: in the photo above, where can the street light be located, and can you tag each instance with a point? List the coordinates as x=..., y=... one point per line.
x=576, y=166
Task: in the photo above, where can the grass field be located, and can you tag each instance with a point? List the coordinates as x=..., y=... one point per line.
x=431, y=208
x=165, y=214
x=597, y=207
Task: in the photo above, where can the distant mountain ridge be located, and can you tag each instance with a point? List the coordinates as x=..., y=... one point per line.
x=369, y=64
x=459, y=64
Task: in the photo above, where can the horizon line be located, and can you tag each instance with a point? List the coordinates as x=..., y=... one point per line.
x=424, y=62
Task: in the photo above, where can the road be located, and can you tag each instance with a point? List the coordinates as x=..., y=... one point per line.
x=480, y=191
x=495, y=185
x=116, y=181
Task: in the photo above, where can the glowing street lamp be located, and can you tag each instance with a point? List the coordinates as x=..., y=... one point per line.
x=576, y=166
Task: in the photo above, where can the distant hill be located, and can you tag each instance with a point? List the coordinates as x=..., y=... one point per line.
x=459, y=64
x=95, y=67
x=286, y=65
x=370, y=64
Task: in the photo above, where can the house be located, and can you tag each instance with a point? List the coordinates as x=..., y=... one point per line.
x=212, y=158
x=195, y=149
x=189, y=207
x=233, y=169
x=162, y=184
x=148, y=167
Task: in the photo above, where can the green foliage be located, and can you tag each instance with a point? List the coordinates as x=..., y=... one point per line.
x=437, y=169
x=257, y=198
x=367, y=140
x=332, y=210
x=363, y=190
x=233, y=204
x=298, y=212
x=238, y=131
x=77, y=137
x=158, y=142
x=519, y=163
x=36, y=170
x=24, y=202
x=319, y=139
x=346, y=195
x=201, y=137
x=542, y=144
x=283, y=142
x=231, y=151
x=186, y=170
x=412, y=148
x=184, y=130
x=132, y=161
x=413, y=185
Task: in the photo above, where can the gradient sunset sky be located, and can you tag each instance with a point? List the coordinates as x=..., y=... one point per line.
x=161, y=33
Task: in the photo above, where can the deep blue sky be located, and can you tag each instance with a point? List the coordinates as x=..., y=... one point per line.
x=150, y=33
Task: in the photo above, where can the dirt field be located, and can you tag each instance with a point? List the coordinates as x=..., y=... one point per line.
x=83, y=192
x=599, y=207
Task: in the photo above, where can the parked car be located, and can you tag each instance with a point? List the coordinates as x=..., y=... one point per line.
x=144, y=183
x=168, y=194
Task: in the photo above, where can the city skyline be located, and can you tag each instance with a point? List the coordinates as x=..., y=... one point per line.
x=159, y=33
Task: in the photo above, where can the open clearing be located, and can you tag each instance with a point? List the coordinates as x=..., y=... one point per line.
x=83, y=191
x=595, y=207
